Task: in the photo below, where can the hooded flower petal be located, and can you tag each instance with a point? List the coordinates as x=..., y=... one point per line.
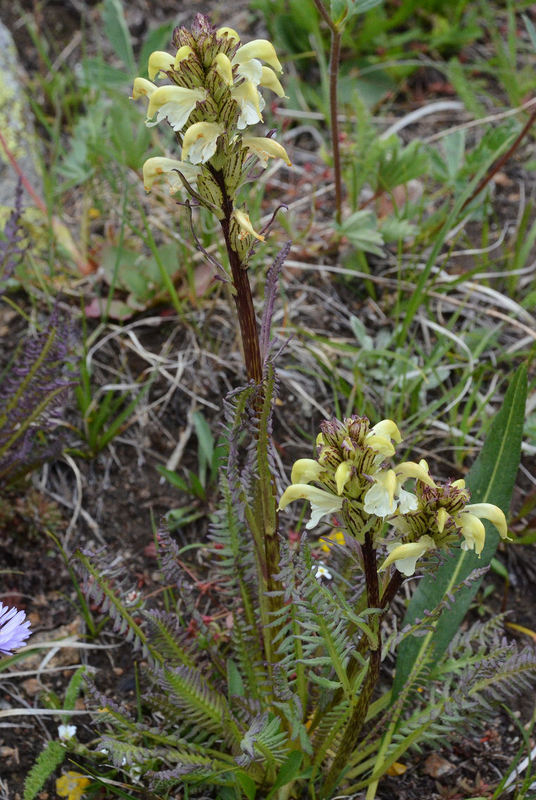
x=175, y=103
x=143, y=88
x=224, y=68
x=259, y=49
x=381, y=435
x=250, y=103
x=473, y=532
x=169, y=168
x=405, y=556
x=409, y=469
x=343, y=473
x=228, y=33
x=14, y=629
x=492, y=513
x=265, y=148
x=322, y=502
x=183, y=52
x=246, y=228
x=200, y=141
x=270, y=80
x=159, y=61
x=305, y=470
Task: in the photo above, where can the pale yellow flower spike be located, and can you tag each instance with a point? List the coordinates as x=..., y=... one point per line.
x=159, y=61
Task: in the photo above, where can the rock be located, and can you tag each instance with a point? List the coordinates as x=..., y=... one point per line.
x=16, y=126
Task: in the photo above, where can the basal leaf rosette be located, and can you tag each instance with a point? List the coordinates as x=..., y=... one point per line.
x=443, y=517
x=350, y=453
x=211, y=95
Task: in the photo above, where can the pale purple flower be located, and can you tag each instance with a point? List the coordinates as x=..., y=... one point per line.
x=14, y=629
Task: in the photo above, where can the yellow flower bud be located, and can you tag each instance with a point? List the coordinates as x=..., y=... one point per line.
x=244, y=223
x=159, y=61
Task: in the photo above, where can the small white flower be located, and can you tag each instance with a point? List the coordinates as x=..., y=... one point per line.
x=322, y=571
x=66, y=732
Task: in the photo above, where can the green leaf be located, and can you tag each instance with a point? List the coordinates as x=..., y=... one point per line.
x=47, y=761
x=247, y=784
x=491, y=480
x=235, y=684
x=288, y=771
x=361, y=230
x=117, y=32
x=343, y=10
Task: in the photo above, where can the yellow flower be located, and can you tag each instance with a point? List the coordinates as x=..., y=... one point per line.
x=386, y=494
x=405, y=556
x=265, y=148
x=270, y=80
x=380, y=437
x=159, y=61
x=258, y=49
x=473, y=531
x=72, y=785
x=322, y=502
x=175, y=103
x=246, y=228
x=200, y=141
x=169, y=168
x=224, y=68
x=143, y=88
x=336, y=537
x=250, y=102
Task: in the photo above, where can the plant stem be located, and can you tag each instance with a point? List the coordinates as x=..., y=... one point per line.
x=242, y=292
x=357, y=719
x=334, y=59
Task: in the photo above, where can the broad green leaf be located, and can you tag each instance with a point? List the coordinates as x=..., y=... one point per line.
x=288, y=771
x=491, y=480
x=117, y=32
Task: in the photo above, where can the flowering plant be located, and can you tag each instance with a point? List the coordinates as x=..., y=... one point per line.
x=14, y=629
x=272, y=695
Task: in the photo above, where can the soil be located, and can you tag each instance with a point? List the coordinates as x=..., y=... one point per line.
x=116, y=499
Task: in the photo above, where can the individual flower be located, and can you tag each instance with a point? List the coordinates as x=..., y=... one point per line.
x=405, y=556
x=169, y=169
x=322, y=502
x=321, y=571
x=265, y=148
x=381, y=437
x=143, y=88
x=386, y=495
x=200, y=141
x=250, y=102
x=246, y=228
x=14, y=629
x=72, y=785
x=248, y=57
x=174, y=103
x=159, y=61
x=66, y=732
x=472, y=529
x=224, y=68
x=335, y=538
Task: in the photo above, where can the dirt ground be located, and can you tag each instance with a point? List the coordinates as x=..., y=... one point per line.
x=115, y=499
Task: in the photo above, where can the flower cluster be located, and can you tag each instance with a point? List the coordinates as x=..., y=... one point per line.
x=213, y=96
x=356, y=481
x=14, y=629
